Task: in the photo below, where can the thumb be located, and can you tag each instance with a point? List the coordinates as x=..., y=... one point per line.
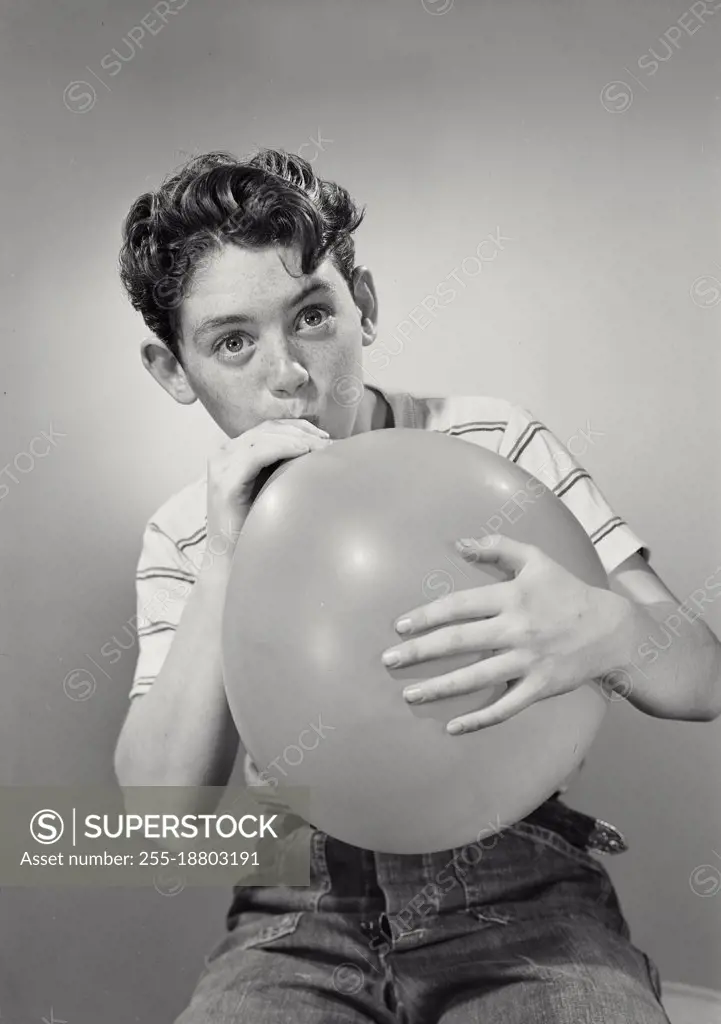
x=508, y=554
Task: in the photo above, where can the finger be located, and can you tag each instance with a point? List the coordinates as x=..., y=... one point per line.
x=266, y=449
x=489, y=672
x=310, y=440
x=495, y=549
x=520, y=695
x=485, y=635
x=267, y=452
x=300, y=424
x=273, y=432
x=472, y=603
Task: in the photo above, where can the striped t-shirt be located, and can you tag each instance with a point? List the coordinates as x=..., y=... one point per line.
x=174, y=541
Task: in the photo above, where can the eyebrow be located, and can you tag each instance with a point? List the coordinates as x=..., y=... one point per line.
x=211, y=322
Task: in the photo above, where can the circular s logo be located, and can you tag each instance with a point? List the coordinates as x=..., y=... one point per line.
x=437, y=583
x=706, y=291
x=705, y=880
x=79, y=97
x=437, y=6
x=348, y=390
x=616, y=97
x=616, y=684
x=348, y=978
x=46, y=827
x=79, y=684
x=168, y=883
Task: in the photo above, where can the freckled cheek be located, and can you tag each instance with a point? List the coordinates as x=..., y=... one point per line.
x=230, y=401
x=341, y=358
x=326, y=367
x=227, y=392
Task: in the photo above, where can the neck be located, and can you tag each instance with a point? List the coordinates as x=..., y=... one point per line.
x=374, y=413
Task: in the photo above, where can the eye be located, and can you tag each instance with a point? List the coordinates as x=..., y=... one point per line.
x=230, y=345
x=314, y=316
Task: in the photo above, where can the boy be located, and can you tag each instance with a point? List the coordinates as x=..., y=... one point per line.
x=245, y=273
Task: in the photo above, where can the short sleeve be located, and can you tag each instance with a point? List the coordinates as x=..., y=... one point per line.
x=163, y=582
x=533, y=447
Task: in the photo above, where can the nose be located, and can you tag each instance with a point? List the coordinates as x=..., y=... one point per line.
x=285, y=373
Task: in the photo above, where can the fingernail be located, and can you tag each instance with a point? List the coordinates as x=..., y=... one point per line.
x=454, y=728
x=391, y=658
x=412, y=694
x=403, y=625
x=466, y=542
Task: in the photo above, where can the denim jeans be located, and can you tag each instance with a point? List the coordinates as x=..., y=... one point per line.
x=524, y=926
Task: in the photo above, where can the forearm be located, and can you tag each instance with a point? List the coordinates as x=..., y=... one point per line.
x=181, y=732
x=664, y=664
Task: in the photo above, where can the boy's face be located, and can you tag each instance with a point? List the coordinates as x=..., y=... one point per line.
x=259, y=344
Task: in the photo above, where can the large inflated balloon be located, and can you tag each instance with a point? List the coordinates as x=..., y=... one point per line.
x=339, y=543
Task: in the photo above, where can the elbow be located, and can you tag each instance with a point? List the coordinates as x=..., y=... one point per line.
x=713, y=708
x=176, y=797
x=713, y=703
x=121, y=765
x=705, y=695
x=706, y=714
x=128, y=767
x=125, y=757
x=707, y=708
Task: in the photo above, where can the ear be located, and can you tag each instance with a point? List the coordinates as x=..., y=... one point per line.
x=161, y=364
x=366, y=299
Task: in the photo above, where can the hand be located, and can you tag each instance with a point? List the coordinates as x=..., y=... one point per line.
x=547, y=630
x=233, y=470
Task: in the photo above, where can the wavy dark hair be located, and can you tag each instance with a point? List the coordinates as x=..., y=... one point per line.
x=273, y=198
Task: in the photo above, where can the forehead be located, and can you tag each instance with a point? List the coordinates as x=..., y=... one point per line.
x=245, y=280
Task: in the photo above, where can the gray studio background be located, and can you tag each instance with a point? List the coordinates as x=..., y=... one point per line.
x=451, y=121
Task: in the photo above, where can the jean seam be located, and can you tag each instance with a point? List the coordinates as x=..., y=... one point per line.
x=558, y=843
x=319, y=840
x=286, y=926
